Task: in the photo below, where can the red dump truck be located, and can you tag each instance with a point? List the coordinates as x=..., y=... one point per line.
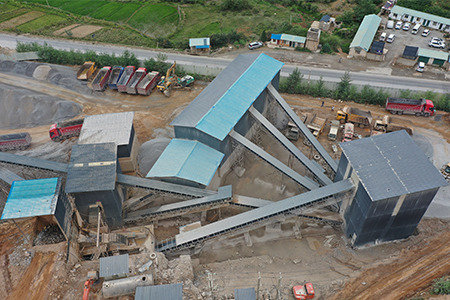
x=135, y=79
x=418, y=107
x=303, y=292
x=65, y=130
x=15, y=141
x=116, y=72
x=101, y=80
x=148, y=83
x=125, y=78
x=86, y=70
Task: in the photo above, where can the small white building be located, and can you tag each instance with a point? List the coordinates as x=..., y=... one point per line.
x=364, y=36
x=287, y=41
x=199, y=45
x=425, y=19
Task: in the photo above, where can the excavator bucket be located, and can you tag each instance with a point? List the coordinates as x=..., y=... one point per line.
x=167, y=93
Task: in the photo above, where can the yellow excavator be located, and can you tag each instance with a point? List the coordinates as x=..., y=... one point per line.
x=166, y=82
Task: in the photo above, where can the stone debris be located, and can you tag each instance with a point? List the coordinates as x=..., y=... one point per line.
x=51, y=234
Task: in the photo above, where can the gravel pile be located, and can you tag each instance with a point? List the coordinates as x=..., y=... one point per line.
x=21, y=257
x=149, y=153
x=51, y=234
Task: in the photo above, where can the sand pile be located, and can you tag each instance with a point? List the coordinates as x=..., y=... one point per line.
x=149, y=153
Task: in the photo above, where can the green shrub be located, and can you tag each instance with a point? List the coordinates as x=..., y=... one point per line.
x=326, y=48
x=441, y=286
x=302, y=49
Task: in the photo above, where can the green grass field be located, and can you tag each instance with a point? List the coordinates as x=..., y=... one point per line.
x=115, y=11
x=42, y=22
x=152, y=15
x=12, y=14
x=83, y=7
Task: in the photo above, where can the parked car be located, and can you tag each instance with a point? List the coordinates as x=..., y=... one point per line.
x=436, y=44
x=398, y=25
x=390, y=38
x=437, y=39
x=421, y=67
x=416, y=28
x=255, y=45
x=426, y=32
x=390, y=24
x=383, y=37
x=406, y=26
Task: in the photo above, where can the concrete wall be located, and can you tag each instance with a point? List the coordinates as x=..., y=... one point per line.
x=354, y=52
x=424, y=22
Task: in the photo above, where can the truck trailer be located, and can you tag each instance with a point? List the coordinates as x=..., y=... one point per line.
x=101, y=80
x=116, y=72
x=389, y=124
x=15, y=141
x=355, y=116
x=125, y=78
x=316, y=125
x=418, y=107
x=148, y=83
x=65, y=130
x=86, y=70
x=135, y=79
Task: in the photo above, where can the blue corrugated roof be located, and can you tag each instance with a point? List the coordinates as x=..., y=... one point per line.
x=233, y=104
x=189, y=160
x=289, y=37
x=199, y=42
x=30, y=198
x=275, y=36
x=366, y=31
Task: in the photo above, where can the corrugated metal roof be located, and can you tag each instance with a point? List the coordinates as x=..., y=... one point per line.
x=263, y=212
x=160, y=292
x=20, y=56
x=250, y=202
x=116, y=265
x=245, y=294
x=407, y=11
x=199, y=42
x=107, y=128
x=391, y=165
x=33, y=162
x=92, y=168
x=190, y=160
x=275, y=36
x=222, y=104
x=325, y=18
x=30, y=198
x=366, y=32
x=293, y=38
x=163, y=186
x=8, y=176
x=433, y=54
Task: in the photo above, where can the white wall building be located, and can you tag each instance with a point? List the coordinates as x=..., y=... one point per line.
x=425, y=19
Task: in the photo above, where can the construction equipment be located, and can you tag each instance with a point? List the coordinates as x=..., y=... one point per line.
x=418, y=107
x=447, y=168
x=15, y=141
x=125, y=78
x=354, y=115
x=86, y=70
x=388, y=124
x=316, y=125
x=116, y=72
x=66, y=129
x=293, y=133
x=101, y=80
x=334, y=127
x=166, y=82
x=348, y=132
x=135, y=79
x=185, y=81
x=147, y=84
x=303, y=292
x=87, y=288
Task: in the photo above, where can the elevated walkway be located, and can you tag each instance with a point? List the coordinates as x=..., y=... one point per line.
x=8, y=176
x=223, y=197
x=307, y=183
x=32, y=162
x=314, y=169
x=308, y=135
x=327, y=195
x=175, y=190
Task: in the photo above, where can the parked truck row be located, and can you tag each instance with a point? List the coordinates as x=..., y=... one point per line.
x=418, y=107
x=64, y=130
x=15, y=141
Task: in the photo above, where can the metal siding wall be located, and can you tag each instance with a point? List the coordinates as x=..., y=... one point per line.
x=343, y=162
x=125, y=150
x=194, y=134
x=276, y=81
x=244, y=124
x=260, y=102
x=183, y=182
x=63, y=212
x=226, y=148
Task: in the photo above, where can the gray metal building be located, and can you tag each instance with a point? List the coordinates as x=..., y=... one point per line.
x=395, y=183
x=113, y=267
x=245, y=294
x=91, y=177
x=223, y=105
x=160, y=292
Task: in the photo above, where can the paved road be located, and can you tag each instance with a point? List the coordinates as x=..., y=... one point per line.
x=330, y=75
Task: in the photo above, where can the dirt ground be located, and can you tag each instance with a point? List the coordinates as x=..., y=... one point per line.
x=321, y=256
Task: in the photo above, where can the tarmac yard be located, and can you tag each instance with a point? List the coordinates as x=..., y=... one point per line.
x=395, y=270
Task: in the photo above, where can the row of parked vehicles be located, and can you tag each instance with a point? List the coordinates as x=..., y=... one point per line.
x=435, y=42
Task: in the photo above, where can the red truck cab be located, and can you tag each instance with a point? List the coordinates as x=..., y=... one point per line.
x=303, y=292
x=429, y=107
x=53, y=131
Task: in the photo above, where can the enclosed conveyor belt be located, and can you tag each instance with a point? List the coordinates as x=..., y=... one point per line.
x=223, y=197
x=8, y=176
x=314, y=142
x=307, y=183
x=165, y=187
x=32, y=162
x=258, y=217
x=317, y=172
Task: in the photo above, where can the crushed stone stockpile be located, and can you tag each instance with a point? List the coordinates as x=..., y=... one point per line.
x=21, y=108
x=149, y=153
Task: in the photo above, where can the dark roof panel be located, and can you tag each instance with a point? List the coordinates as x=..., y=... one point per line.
x=92, y=168
x=245, y=294
x=391, y=165
x=116, y=265
x=160, y=292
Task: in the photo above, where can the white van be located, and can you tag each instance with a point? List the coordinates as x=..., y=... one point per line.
x=383, y=37
x=416, y=28
x=390, y=24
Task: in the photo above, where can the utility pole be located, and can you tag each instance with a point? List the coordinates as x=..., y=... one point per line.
x=258, y=287
x=279, y=288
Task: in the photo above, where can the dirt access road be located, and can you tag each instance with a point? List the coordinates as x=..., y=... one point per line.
x=308, y=259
